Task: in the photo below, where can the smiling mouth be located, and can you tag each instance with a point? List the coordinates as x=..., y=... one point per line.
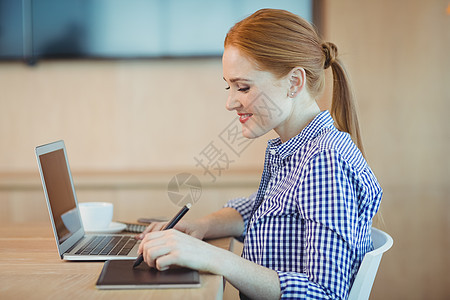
x=244, y=117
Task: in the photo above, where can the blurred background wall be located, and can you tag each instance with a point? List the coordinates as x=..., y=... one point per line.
x=131, y=125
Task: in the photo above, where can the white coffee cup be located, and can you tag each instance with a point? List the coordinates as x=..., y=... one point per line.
x=96, y=215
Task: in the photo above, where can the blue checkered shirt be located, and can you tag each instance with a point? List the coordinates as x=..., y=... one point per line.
x=311, y=218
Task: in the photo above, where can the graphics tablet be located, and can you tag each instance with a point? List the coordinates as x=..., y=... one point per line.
x=119, y=274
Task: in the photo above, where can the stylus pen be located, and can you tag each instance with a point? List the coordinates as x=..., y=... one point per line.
x=170, y=225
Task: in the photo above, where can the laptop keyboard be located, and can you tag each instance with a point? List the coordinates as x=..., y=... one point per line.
x=107, y=245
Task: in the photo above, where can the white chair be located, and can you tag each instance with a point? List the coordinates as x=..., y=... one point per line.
x=368, y=269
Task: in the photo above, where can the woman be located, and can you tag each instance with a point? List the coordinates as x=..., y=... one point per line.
x=307, y=228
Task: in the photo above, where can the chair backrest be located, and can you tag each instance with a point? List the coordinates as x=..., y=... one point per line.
x=369, y=266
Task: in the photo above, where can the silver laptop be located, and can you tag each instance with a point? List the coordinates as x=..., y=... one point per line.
x=72, y=241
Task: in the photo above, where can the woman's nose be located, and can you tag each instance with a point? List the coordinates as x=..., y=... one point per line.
x=232, y=103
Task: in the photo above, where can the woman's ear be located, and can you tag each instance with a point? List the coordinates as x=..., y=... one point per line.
x=297, y=78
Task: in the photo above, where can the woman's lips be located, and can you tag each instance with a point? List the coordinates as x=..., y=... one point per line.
x=244, y=117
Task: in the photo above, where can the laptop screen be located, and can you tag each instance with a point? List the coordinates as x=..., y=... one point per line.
x=60, y=194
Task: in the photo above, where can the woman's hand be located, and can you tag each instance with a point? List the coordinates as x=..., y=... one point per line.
x=154, y=226
x=196, y=229
x=225, y=222
x=162, y=249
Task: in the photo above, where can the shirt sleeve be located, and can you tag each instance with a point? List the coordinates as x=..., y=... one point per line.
x=327, y=203
x=244, y=206
x=298, y=286
x=327, y=272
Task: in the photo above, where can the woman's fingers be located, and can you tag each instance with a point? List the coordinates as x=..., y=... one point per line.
x=151, y=239
x=154, y=226
x=163, y=249
x=155, y=254
x=171, y=258
x=152, y=246
x=173, y=251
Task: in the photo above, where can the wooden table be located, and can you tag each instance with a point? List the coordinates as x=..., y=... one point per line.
x=30, y=268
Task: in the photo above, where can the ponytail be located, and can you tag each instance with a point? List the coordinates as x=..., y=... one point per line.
x=343, y=107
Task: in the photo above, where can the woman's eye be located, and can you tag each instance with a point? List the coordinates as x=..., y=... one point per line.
x=242, y=89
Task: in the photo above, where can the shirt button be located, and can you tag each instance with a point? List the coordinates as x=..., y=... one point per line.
x=273, y=152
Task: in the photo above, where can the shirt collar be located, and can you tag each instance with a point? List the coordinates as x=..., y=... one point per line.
x=321, y=121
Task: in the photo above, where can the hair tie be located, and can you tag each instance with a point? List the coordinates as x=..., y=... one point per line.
x=330, y=51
